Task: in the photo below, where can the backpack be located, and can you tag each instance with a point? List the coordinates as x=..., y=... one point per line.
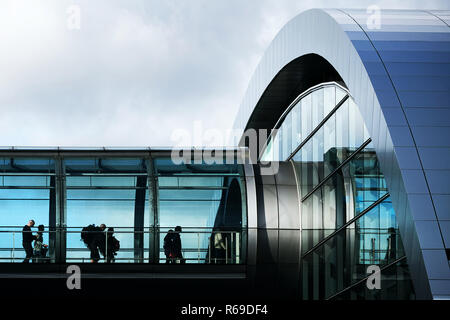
x=87, y=234
x=38, y=246
x=115, y=244
x=169, y=244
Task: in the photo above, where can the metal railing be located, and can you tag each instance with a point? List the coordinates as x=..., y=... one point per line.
x=198, y=245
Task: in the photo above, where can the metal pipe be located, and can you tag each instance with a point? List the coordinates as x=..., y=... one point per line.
x=106, y=245
x=14, y=246
x=226, y=251
x=238, y=253
x=231, y=244
x=209, y=248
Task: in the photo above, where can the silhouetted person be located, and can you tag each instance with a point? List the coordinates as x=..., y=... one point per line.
x=178, y=251
x=391, y=252
x=169, y=240
x=101, y=239
x=94, y=238
x=27, y=239
x=39, y=249
x=219, y=246
x=172, y=246
x=112, y=245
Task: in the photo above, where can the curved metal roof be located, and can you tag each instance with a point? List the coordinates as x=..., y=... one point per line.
x=398, y=72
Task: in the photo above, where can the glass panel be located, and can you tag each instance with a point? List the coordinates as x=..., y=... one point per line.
x=167, y=166
x=287, y=136
x=343, y=259
x=329, y=99
x=317, y=107
x=356, y=127
x=340, y=94
x=112, y=192
x=296, y=127
x=318, y=154
x=25, y=181
x=27, y=165
x=396, y=284
x=360, y=182
x=116, y=165
x=208, y=209
x=342, y=132
x=306, y=116
x=330, y=157
x=333, y=143
x=26, y=186
x=339, y=196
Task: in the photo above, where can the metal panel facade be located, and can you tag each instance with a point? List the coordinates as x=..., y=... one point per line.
x=398, y=72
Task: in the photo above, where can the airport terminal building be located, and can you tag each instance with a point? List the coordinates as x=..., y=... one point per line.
x=354, y=174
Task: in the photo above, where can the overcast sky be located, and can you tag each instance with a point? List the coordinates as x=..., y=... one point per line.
x=136, y=71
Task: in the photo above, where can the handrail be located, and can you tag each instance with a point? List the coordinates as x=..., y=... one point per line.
x=232, y=253
x=132, y=227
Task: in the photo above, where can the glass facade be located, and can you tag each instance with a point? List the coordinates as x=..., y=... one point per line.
x=202, y=199
x=112, y=191
x=347, y=219
x=300, y=119
x=142, y=198
x=27, y=188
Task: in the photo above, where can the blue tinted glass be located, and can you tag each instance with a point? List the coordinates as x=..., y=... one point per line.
x=35, y=165
x=106, y=165
x=190, y=181
x=167, y=166
x=17, y=211
x=84, y=194
x=24, y=194
x=105, y=191
x=28, y=181
x=200, y=198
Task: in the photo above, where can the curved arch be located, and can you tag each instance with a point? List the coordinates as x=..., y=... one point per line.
x=294, y=78
x=399, y=76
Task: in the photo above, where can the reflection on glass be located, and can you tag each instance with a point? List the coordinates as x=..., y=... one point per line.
x=301, y=119
x=337, y=185
x=347, y=193
x=396, y=283
x=344, y=257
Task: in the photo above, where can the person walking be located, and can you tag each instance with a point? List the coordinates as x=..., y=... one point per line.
x=27, y=239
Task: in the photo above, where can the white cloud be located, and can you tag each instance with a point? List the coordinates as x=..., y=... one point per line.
x=136, y=70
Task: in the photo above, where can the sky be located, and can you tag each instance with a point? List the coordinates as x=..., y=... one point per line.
x=135, y=72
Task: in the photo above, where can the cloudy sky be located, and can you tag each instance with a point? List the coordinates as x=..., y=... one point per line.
x=136, y=72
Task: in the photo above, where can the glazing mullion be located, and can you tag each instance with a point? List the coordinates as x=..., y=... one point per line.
x=153, y=246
